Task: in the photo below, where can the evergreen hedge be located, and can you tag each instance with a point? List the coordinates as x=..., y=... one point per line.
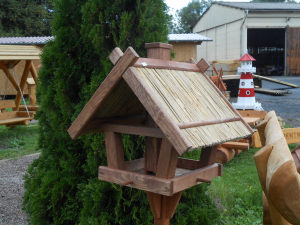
x=62, y=185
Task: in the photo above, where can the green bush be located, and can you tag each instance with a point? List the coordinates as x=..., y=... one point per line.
x=62, y=185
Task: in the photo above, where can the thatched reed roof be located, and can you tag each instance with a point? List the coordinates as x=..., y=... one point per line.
x=186, y=106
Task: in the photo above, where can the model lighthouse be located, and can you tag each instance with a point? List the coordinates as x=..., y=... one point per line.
x=246, y=97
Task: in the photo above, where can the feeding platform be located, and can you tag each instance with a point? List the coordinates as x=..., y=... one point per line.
x=177, y=107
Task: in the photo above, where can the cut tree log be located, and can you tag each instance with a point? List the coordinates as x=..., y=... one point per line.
x=224, y=155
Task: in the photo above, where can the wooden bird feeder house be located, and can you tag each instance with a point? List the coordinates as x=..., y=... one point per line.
x=10, y=56
x=177, y=107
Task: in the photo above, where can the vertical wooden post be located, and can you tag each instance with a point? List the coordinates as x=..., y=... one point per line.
x=163, y=207
x=31, y=91
x=152, y=145
x=158, y=50
x=114, y=150
x=208, y=156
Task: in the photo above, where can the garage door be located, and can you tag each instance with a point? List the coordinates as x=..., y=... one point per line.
x=293, y=51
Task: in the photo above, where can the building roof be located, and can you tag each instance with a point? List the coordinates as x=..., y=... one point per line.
x=255, y=6
x=19, y=52
x=188, y=108
x=247, y=57
x=193, y=37
x=24, y=40
x=262, y=6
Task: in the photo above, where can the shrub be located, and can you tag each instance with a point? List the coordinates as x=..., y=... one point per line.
x=62, y=185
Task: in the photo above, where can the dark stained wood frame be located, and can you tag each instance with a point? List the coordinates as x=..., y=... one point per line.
x=154, y=184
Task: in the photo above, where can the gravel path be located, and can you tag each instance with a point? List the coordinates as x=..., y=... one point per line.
x=12, y=190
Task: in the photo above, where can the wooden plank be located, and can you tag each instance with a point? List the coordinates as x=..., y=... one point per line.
x=114, y=150
x=276, y=81
x=115, y=55
x=189, y=180
x=184, y=51
x=236, y=145
x=133, y=165
x=228, y=103
x=24, y=114
x=189, y=164
x=253, y=113
x=207, y=122
x=208, y=156
x=10, y=76
x=271, y=92
x=292, y=136
x=140, y=181
x=125, y=129
x=203, y=65
x=19, y=57
x=4, y=104
x=22, y=84
x=152, y=148
x=165, y=64
x=29, y=107
x=132, y=120
x=8, y=115
x=167, y=161
x=102, y=93
x=154, y=184
x=157, y=112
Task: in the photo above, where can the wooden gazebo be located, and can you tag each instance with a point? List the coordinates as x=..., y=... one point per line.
x=177, y=107
x=10, y=56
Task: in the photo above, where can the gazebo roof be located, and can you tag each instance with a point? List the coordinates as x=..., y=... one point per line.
x=19, y=52
x=188, y=108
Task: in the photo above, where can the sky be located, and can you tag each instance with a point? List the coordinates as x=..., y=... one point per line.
x=178, y=4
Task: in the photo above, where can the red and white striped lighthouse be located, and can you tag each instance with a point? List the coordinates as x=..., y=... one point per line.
x=246, y=97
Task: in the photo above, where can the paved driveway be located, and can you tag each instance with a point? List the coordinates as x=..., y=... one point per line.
x=286, y=106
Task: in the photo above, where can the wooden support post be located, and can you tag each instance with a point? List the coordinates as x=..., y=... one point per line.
x=208, y=156
x=31, y=84
x=33, y=72
x=22, y=84
x=163, y=207
x=152, y=147
x=114, y=150
x=10, y=76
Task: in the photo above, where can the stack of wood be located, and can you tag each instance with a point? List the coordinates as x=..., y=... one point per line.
x=229, y=67
x=226, y=151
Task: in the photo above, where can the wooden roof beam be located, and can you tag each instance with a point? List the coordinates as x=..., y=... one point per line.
x=101, y=95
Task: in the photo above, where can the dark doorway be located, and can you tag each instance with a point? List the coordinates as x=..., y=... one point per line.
x=267, y=47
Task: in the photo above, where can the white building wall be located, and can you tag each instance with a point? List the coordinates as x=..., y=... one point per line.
x=222, y=24
x=225, y=44
x=218, y=15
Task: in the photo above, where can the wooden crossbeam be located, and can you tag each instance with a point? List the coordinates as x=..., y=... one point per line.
x=208, y=122
x=128, y=129
x=165, y=64
x=167, y=187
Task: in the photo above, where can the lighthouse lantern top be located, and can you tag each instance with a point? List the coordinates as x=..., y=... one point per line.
x=246, y=64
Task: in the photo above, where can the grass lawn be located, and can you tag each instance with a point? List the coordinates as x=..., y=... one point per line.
x=238, y=194
x=19, y=141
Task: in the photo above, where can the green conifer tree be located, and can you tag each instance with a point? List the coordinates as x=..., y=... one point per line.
x=62, y=185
